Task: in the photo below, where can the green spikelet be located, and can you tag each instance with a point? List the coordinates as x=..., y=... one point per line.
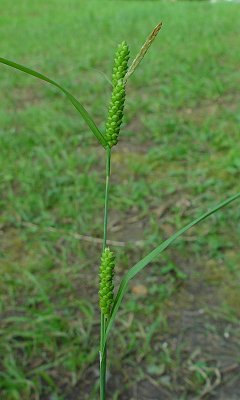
x=115, y=114
x=106, y=286
x=116, y=107
x=120, y=63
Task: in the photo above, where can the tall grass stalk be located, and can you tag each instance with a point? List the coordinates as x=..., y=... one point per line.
x=103, y=344
x=108, y=305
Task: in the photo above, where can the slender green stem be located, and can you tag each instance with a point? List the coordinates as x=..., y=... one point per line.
x=103, y=359
x=108, y=167
x=103, y=348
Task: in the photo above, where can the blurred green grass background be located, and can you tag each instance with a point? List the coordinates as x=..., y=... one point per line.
x=178, y=156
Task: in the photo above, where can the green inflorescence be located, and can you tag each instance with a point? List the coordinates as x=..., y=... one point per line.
x=120, y=63
x=106, y=286
x=115, y=112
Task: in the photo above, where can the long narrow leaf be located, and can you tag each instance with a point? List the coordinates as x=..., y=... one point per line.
x=143, y=51
x=153, y=254
x=70, y=97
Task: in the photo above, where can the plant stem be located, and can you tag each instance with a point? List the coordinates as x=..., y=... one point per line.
x=108, y=164
x=103, y=350
x=103, y=359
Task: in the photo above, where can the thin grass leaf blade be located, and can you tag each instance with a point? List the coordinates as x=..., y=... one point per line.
x=153, y=254
x=85, y=115
x=139, y=57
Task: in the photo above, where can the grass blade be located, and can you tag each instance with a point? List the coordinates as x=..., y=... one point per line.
x=85, y=115
x=142, y=51
x=153, y=254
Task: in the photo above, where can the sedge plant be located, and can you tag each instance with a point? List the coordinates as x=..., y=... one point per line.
x=108, y=301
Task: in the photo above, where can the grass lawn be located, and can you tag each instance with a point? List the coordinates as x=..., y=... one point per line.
x=177, y=335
